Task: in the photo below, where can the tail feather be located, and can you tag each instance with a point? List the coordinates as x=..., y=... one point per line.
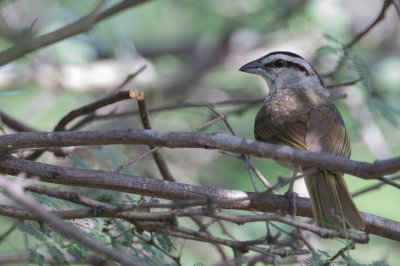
x=350, y=212
x=331, y=201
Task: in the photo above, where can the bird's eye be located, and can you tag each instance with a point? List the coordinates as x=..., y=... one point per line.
x=279, y=63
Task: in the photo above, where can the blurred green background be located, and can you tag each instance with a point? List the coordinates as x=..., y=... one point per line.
x=192, y=51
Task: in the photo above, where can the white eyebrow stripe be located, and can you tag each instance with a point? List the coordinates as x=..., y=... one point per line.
x=295, y=60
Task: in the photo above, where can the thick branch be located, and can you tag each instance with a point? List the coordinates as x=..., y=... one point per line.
x=173, y=190
x=217, y=141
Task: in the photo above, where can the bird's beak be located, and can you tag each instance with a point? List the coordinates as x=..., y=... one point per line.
x=254, y=67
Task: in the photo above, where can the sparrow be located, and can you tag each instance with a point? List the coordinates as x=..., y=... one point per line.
x=298, y=113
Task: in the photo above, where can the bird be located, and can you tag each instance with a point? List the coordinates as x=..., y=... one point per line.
x=298, y=113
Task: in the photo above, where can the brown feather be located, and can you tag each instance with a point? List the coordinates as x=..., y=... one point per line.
x=303, y=119
x=326, y=133
x=350, y=212
x=324, y=198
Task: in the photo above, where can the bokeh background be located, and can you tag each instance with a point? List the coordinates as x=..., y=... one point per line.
x=192, y=51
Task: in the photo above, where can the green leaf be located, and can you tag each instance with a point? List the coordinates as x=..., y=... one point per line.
x=383, y=108
x=165, y=242
x=58, y=238
x=333, y=39
x=329, y=50
x=32, y=231
x=77, y=251
x=35, y=257
x=57, y=255
x=131, y=199
x=46, y=200
x=80, y=162
x=379, y=263
x=326, y=254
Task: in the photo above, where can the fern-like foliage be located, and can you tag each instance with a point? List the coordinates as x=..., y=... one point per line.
x=35, y=257
x=32, y=231
x=166, y=242
x=322, y=258
x=56, y=254
x=52, y=242
x=352, y=67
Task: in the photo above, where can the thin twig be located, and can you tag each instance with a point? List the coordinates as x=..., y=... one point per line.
x=198, y=221
x=260, y=176
x=187, y=233
x=225, y=231
x=255, y=170
x=389, y=181
x=219, y=118
x=128, y=79
x=181, y=105
x=347, y=47
x=246, y=158
x=351, y=245
x=147, y=154
x=88, y=108
x=374, y=187
x=92, y=115
x=135, y=159
x=281, y=182
x=323, y=232
x=145, y=118
x=82, y=25
x=380, y=17
x=306, y=241
x=154, y=244
x=8, y=232
x=343, y=84
x=71, y=196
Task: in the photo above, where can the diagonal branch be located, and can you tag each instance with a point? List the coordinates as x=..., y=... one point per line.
x=82, y=25
x=374, y=187
x=86, y=109
x=380, y=17
x=15, y=190
x=15, y=124
x=145, y=118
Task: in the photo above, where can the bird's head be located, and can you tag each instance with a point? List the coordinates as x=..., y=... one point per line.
x=283, y=70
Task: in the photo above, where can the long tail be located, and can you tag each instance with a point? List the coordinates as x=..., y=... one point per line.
x=331, y=200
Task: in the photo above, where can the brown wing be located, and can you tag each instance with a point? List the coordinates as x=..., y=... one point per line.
x=326, y=131
x=283, y=128
x=303, y=120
